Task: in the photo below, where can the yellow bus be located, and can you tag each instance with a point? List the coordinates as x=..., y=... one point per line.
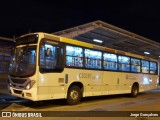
x=44, y=66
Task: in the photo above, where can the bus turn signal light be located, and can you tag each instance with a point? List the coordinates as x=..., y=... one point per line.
x=28, y=94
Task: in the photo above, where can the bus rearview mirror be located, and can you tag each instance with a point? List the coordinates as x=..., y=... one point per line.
x=47, y=52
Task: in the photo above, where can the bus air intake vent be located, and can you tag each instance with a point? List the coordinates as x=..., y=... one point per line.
x=17, y=91
x=18, y=81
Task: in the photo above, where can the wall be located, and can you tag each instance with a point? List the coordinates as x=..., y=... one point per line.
x=5, y=53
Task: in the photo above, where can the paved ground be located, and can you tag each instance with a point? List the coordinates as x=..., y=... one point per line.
x=4, y=92
x=93, y=106
x=3, y=82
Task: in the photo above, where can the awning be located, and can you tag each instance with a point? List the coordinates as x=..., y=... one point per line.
x=112, y=37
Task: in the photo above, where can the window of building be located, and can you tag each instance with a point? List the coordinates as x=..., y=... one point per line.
x=93, y=59
x=110, y=61
x=1, y=57
x=74, y=56
x=135, y=65
x=145, y=66
x=123, y=63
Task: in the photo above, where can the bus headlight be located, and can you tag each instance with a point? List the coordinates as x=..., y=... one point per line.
x=30, y=84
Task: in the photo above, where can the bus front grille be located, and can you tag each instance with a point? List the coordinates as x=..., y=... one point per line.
x=17, y=91
x=18, y=81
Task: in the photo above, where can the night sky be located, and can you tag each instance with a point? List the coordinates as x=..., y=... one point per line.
x=23, y=16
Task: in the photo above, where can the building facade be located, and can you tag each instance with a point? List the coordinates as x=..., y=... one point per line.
x=6, y=45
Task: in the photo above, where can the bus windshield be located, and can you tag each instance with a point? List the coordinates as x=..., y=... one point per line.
x=23, y=61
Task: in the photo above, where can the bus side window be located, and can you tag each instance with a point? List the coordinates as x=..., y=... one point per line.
x=135, y=65
x=42, y=55
x=123, y=63
x=110, y=61
x=93, y=59
x=145, y=66
x=74, y=56
x=51, y=58
x=153, y=68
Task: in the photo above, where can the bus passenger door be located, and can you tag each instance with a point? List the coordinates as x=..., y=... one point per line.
x=51, y=84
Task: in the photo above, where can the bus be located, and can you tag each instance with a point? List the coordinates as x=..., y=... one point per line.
x=45, y=66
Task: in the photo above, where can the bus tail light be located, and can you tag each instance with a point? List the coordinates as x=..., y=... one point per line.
x=30, y=84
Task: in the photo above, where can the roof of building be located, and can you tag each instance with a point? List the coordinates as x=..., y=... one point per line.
x=6, y=39
x=112, y=37
x=5, y=46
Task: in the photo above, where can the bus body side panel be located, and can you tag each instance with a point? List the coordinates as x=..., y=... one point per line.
x=95, y=83
x=55, y=85
x=148, y=82
x=117, y=82
x=51, y=86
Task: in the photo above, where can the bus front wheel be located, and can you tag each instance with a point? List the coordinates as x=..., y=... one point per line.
x=74, y=95
x=134, y=90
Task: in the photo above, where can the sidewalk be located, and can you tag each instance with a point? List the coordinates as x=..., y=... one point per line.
x=4, y=83
x=4, y=94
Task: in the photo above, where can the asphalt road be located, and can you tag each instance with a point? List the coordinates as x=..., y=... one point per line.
x=112, y=106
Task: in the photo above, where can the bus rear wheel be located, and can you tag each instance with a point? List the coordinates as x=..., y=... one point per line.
x=134, y=91
x=74, y=95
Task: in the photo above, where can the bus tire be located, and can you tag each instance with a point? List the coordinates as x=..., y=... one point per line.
x=134, y=90
x=74, y=95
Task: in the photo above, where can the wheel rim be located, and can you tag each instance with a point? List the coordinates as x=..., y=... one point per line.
x=74, y=95
x=135, y=91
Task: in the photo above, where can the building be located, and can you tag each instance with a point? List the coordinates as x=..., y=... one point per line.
x=6, y=45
